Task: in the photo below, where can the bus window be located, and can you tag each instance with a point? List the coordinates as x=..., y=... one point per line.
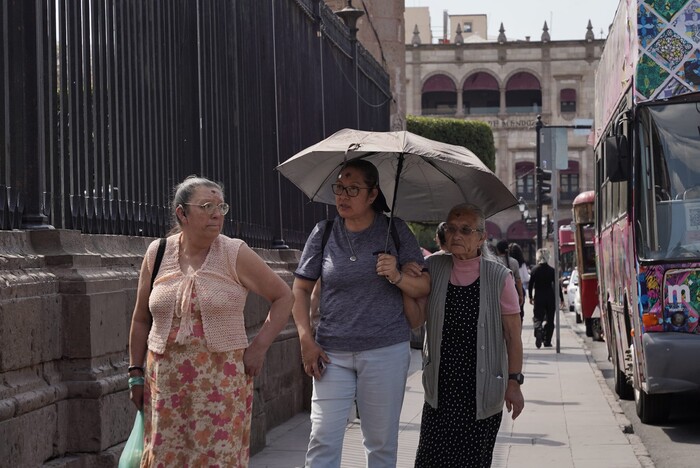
x=669, y=181
x=623, y=198
x=588, y=259
x=615, y=200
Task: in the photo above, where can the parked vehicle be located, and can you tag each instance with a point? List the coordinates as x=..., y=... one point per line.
x=648, y=203
x=572, y=294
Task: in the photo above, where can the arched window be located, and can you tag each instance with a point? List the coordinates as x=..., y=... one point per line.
x=480, y=94
x=523, y=94
x=569, y=182
x=567, y=100
x=525, y=180
x=439, y=96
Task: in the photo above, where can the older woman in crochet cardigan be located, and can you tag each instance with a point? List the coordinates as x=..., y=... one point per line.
x=196, y=387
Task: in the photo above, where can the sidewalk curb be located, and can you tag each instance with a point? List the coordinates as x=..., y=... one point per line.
x=623, y=422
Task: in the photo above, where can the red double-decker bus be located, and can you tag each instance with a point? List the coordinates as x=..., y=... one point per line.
x=567, y=256
x=583, y=210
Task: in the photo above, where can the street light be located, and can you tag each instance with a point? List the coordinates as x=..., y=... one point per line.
x=350, y=15
x=524, y=209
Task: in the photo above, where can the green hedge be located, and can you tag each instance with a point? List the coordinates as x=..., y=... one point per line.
x=473, y=135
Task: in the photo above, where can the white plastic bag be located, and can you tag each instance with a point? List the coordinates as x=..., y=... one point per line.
x=131, y=456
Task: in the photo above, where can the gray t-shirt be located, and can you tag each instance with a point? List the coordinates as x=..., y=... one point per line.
x=512, y=266
x=359, y=309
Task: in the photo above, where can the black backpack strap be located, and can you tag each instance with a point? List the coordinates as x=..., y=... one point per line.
x=326, y=233
x=159, y=259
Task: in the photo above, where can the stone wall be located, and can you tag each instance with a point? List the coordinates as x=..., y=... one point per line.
x=66, y=301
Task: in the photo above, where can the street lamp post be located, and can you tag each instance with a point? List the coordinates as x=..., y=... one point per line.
x=538, y=196
x=350, y=15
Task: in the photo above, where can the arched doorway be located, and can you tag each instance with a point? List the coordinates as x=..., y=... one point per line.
x=493, y=231
x=523, y=234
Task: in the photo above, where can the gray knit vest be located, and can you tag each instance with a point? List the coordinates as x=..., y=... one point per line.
x=491, y=356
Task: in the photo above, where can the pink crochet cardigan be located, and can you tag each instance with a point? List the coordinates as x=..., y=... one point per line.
x=220, y=293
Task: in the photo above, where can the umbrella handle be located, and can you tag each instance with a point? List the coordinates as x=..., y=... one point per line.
x=399, y=168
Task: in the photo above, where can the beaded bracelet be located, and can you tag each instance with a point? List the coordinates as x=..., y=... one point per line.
x=135, y=381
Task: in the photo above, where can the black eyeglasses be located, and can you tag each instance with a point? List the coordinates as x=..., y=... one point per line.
x=352, y=190
x=210, y=207
x=464, y=230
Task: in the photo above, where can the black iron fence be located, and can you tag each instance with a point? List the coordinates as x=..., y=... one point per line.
x=109, y=103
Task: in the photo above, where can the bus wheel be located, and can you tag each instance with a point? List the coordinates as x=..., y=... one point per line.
x=622, y=387
x=597, y=329
x=651, y=409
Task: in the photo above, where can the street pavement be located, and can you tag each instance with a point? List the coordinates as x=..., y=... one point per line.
x=571, y=418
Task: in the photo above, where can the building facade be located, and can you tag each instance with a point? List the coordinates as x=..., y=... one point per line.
x=508, y=84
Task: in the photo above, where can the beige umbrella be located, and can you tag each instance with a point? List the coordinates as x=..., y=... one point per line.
x=421, y=178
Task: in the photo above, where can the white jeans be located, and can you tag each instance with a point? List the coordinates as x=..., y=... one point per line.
x=376, y=379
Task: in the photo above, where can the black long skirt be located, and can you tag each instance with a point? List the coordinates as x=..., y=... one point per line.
x=450, y=434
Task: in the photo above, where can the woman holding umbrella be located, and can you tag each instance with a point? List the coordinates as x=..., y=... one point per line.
x=472, y=360
x=361, y=348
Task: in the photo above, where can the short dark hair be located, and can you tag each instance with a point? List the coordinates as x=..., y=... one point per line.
x=370, y=174
x=517, y=253
x=502, y=247
x=440, y=231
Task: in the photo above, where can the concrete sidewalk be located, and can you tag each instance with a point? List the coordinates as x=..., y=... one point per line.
x=571, y=418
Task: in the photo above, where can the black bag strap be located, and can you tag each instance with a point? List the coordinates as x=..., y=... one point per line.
x=329, y=227
x=326, y=234
x=159, y=259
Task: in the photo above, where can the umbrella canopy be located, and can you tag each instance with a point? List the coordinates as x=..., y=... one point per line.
x=433, y=176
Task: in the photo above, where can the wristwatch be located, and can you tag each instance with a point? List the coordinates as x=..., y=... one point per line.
x=519, y=377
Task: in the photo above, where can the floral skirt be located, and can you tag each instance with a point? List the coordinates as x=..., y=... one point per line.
x=197, y=404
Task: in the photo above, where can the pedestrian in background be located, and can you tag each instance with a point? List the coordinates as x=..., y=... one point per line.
x=440, y=239
x=196, y=389
x=542, y=283
x=360, y=350
x=472, y=359
x=516, y=252
x=512, y=264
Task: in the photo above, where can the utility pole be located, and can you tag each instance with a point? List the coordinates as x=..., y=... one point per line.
x=547, y=182
x=538, y=197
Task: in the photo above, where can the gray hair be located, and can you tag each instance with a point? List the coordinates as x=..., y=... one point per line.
x=469, y=208
x=182, y=194
x=461, y=208
x=542, y=256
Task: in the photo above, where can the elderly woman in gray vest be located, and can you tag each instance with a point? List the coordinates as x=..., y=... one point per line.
x=472, y=359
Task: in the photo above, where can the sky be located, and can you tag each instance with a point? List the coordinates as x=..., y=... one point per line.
x=567, y=19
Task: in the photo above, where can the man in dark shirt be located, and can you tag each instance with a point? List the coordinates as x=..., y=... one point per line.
x=542, y=282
